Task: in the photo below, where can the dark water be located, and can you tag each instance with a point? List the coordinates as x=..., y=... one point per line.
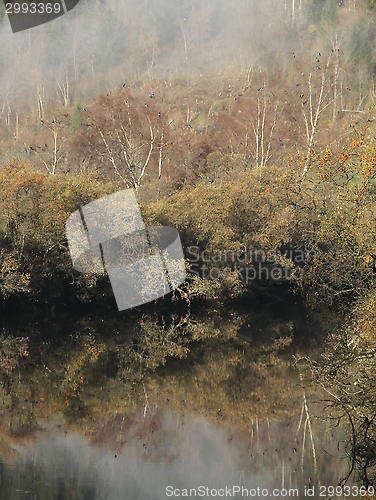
x=225, y=416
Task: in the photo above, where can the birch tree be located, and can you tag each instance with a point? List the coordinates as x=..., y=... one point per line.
x=127, y=152
x=256, y=146
x=263, y=130
x=313, y=106
x=51, y=156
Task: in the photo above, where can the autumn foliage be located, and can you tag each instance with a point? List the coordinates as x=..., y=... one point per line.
x=34, y=208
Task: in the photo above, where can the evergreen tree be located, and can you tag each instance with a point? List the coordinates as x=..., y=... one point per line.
x=313, y=10
x=329, y=16
x=110, y=41
x=76, y=116
x=359, y=43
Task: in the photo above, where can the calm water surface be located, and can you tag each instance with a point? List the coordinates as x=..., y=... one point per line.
x=201, y=423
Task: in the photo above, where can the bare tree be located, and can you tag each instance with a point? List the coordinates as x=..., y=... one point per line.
x=318, y=100
x=256, y=146
x=54, y=156
x=262, y=134
x=64, y=89
x=336, y=71
x=41, y=99
x=128, y=154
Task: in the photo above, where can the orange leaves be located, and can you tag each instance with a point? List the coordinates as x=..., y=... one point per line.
x=93, y=350
x=356, y=144
x=325, y=159
x=344, y=157
x=33, y=210
x=368, y=171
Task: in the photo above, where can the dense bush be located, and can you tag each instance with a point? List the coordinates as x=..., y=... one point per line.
x=328, y=215
x=34, y=207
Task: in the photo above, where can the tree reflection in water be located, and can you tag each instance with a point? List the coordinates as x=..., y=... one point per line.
x=184, y=401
